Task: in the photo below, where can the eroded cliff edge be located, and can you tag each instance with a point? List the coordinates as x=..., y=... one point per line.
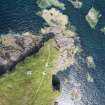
x=15, y=48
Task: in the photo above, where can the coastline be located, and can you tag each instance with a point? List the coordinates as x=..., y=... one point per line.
x=62, y=64
x=16, y=48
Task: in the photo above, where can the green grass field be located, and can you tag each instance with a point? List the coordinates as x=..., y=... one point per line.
x=30, y=82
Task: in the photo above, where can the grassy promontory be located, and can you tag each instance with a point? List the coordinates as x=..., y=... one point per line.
x=30, y=84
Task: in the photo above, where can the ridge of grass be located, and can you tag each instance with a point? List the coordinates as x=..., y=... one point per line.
x=21, y=87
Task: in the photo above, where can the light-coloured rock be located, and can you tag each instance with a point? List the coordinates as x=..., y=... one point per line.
x=75, y=94
x=15, y=56
x=55, y=30
x=3, y=61
x=8, y=40
x=89, y=78
x=76, y=3
x=29, y=73
x=69, y=33
x=17, y=47
x=90, y=62
x=54, y=18
x=48, y=3
x=103, y=29
x=93, y=17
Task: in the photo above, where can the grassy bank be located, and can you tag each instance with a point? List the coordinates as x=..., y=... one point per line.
x=30, y=83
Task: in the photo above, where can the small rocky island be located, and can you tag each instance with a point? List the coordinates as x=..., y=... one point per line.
x=93, y=17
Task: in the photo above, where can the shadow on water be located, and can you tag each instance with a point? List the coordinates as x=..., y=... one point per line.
x=92, y=41
x=19, y=16
x=55, y=83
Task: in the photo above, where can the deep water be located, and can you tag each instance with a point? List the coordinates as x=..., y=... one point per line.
x=19, y=16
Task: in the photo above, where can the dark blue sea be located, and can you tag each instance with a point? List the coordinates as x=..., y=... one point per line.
x=20, y=16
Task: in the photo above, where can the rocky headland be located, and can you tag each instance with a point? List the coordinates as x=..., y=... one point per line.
x=67, y=43
x=15, y=48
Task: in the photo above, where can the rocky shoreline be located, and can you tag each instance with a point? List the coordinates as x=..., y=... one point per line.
x=15, y=49
x=64, y=37
x=68, y=45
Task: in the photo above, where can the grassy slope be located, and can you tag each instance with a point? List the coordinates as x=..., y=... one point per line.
x=20, y=88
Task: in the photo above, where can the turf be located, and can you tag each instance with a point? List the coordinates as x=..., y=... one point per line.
x=30, y=82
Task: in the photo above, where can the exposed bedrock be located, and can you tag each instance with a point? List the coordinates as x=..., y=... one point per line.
x=16, y=48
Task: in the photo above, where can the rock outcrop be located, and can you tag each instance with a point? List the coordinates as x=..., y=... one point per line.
x=65, y=40
x=64, y=37
x=48, y=3
x=93, y=17
x=15, y=48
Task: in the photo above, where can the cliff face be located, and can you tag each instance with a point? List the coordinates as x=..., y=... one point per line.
x=15, y=48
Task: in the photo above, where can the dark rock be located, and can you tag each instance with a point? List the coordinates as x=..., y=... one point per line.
x=55, y=103
x=17, y=48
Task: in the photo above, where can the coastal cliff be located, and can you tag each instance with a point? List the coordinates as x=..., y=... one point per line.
x=15, y=49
